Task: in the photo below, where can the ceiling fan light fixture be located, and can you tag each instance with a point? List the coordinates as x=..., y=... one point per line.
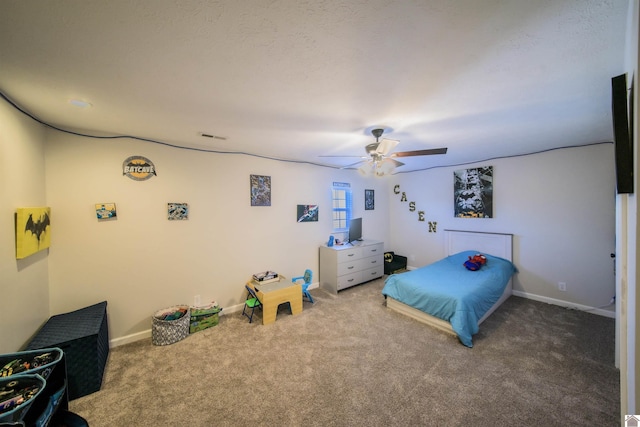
x=365, y=169
x=376, y=168
x=384, y=168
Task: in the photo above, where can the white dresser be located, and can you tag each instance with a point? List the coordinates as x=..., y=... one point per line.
x=346, y=265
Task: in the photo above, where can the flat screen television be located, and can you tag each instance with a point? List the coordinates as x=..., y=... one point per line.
x=622, y=134
x=355, y=229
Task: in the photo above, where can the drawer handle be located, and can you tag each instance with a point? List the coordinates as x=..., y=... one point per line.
x=374, y=250
x=350, y=280
x=350, y=254
x=350, y=268
x=374, y=262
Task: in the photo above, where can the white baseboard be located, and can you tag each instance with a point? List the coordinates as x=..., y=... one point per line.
x=130, y=338
x=238, y=307
x=232, y=309
x=146, y=334
x=561, y=303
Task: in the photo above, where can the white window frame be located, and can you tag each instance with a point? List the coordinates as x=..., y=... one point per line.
x=342, y=206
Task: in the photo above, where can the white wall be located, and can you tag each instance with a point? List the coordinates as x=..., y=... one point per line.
x=559, y=205
x=142, y=262
x=24, y=292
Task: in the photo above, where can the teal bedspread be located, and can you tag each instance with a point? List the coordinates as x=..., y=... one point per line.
x=447, y=290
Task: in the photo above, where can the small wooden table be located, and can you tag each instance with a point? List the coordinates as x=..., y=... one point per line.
x=272, y=294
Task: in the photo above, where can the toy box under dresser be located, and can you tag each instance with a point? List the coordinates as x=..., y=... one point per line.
x=348, y=265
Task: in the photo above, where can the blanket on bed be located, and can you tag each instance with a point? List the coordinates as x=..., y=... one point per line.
x=451, y=292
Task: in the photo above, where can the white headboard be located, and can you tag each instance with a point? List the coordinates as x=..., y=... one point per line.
x=496, y=244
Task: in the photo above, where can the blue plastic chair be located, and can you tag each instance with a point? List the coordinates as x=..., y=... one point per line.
x=308, y=276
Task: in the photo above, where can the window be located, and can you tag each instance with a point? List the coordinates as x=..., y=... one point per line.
x=342, y=206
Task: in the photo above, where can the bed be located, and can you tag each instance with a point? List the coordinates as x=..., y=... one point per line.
x=450, y=297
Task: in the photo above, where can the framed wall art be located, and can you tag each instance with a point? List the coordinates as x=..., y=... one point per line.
x=33, y=230
x=307, y=213
x=473, y=192
x=106, y=211
x=177, y=211
x=260, y=190
x=369, y=200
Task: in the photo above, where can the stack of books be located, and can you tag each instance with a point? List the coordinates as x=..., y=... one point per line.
x=266, y=277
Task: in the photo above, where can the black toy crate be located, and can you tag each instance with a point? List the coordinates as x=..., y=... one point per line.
x=394, y=263
x=83, y=336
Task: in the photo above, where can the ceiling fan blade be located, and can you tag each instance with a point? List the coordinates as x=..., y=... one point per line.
x=386, y=145
x=420, y=152
x=353, y=165
x=345, y=156
x=396, y=163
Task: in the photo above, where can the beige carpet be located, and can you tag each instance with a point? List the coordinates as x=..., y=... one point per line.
x=349, y=361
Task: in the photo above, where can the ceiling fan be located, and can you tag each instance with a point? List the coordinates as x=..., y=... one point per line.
x=381, y=161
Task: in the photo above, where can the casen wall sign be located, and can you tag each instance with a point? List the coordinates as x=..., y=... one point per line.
x=138, y=168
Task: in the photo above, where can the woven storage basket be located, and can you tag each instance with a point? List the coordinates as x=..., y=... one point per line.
x=165, y=332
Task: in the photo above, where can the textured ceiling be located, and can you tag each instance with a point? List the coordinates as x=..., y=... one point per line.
x=299, y=80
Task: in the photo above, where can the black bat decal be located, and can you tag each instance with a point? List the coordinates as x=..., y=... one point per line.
x=37, y=227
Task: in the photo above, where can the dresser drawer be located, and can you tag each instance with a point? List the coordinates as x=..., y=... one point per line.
x=349, y=280
x=370, y=262
x=372, y=273
x=347, y=255
x=371, y=250
x=349, y=267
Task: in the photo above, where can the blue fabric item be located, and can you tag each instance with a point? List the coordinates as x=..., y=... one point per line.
x=447, y=290
x=470, y=265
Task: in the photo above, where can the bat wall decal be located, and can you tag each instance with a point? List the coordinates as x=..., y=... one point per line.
x=37, y=227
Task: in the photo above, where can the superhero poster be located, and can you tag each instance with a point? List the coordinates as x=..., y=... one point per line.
x=473, y=192
x=307, y=213
x=105, y=211
x=33, y=231
x=177, y=211
x=260, y=190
